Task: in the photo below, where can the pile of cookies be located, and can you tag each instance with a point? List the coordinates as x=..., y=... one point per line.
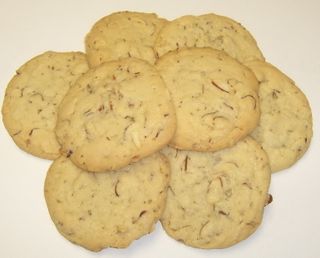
x=180, y=121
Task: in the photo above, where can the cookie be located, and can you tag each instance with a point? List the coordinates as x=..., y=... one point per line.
x=215, y=200
x=285, y=128
x=215, y=98
x=32, y=98
x=114, y=115
x=208, y=30
x=123, y=34
x=106, y=209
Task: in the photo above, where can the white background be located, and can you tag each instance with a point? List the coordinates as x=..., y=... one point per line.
x=287, y=31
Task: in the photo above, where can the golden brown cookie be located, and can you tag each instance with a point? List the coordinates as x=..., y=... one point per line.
x=208, y=30
x=106, y=209
x=114, y=115
x=32, y=98
x=215, y=98
x=215, y=200
x=123, y=34
x=285, y=128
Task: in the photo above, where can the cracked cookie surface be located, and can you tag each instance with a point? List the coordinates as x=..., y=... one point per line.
x=123, y=34
x=285, y=128
x=208, y=30
x=214, y=95
x=99, y=210
x=114, y=115
x=216, y=199
x=32, y=98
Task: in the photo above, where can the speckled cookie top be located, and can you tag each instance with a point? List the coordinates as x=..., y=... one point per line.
x=115, y=114
x=32, y=98
x=123, y=34
x=216, y=199
x=285, y=127
x=107, y=209
x=215, y=98
x=208, y=30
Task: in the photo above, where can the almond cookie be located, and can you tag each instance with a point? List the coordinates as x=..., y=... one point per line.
x=115, y=114
x=285, y=128
x=123, y=34
x=215, y=200
x=32, y=98
x=106, y=209
x=208, y=30
x=214, y=95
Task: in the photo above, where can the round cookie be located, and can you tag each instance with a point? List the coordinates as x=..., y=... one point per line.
x=32, y=98
x=215, y=200
x=114, y=115
x=123, y=34
x=106, y=209
x=214, y=95
x=285, y=127
x=208, y=30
